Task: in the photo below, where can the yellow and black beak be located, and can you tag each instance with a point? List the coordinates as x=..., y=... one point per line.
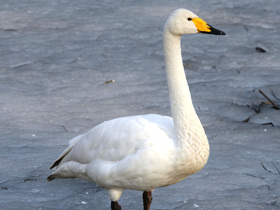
x=203, y=27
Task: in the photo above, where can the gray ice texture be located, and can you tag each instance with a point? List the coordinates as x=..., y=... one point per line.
x=66, y=66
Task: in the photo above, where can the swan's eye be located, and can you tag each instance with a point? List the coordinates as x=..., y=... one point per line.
x=189, y=19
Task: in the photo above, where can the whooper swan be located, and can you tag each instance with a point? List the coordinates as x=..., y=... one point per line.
x=146, y=151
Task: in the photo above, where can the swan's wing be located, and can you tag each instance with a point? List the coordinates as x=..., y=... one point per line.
x=115, y=139
x=115, y=149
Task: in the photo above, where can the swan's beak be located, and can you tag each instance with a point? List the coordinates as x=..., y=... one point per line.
x=203, y=27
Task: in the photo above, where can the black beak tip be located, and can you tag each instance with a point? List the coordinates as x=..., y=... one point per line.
x=215, y=31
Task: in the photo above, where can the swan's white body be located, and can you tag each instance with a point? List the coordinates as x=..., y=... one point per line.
x=147, y=151
x=137, y=152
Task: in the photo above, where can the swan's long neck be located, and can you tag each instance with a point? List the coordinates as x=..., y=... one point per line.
x=190, y=133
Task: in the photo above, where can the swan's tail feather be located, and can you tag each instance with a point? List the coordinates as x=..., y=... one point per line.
x=50, y=178
x=69, y=169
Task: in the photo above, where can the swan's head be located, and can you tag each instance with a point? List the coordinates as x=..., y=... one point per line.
x=183, y=21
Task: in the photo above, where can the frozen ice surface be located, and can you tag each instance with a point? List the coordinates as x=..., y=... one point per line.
x=56, y=57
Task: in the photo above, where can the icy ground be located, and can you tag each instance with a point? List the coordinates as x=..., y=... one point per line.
x=56, y=57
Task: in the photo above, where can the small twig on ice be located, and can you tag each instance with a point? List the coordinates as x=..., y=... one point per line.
x=64, y=128
x=109, y=81
x=266, y=168
x=273, y=104
x=277, y=169
x=260, y=177
x=260, y=50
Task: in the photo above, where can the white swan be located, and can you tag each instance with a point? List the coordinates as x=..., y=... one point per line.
x=146, y=151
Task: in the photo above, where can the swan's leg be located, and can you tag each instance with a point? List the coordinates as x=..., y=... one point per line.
x=147, y=200
x=115, y=194
x=115, y=205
